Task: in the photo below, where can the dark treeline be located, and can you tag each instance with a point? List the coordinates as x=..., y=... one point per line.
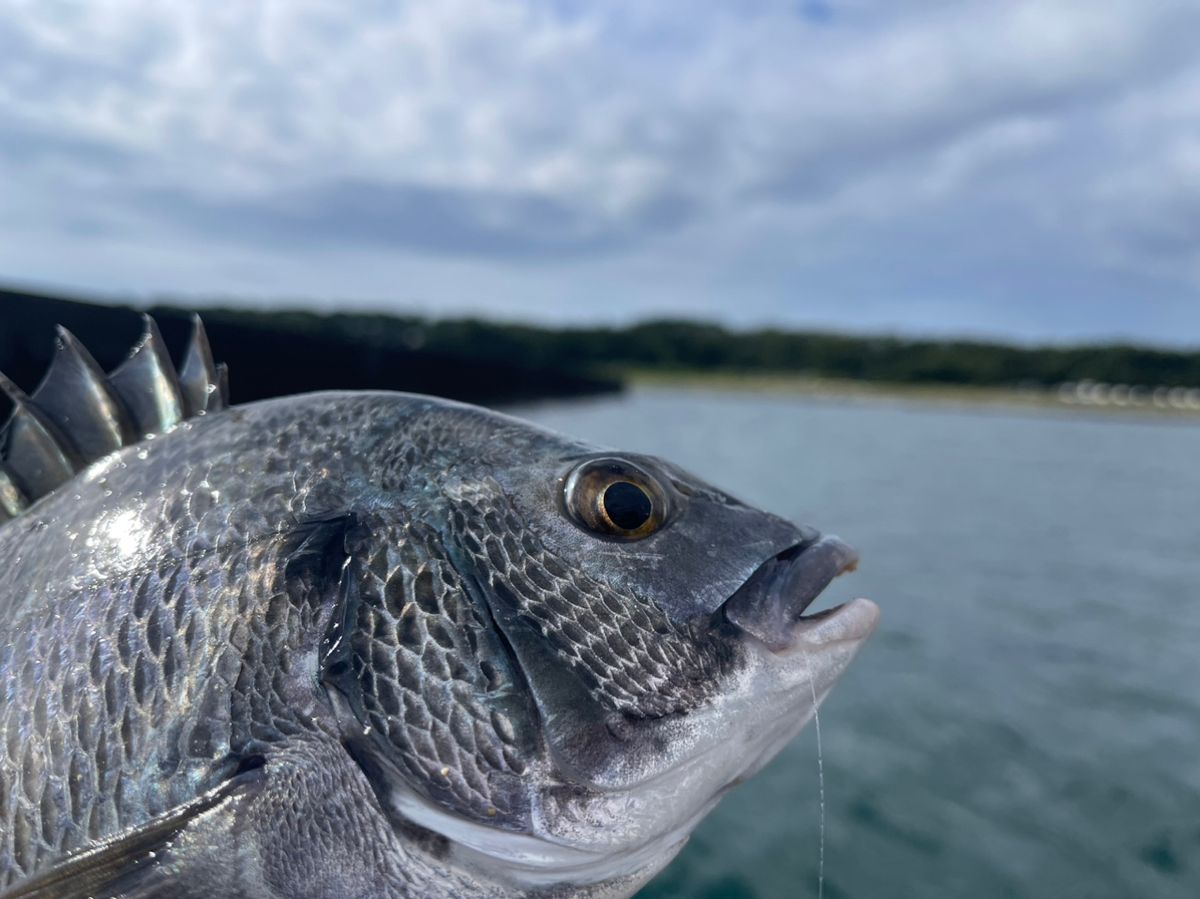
x=270, y=353
x=692, y=346
x=274, y=355
x=683, y=345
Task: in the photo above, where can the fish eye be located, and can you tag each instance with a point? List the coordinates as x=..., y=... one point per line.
x=615, y=498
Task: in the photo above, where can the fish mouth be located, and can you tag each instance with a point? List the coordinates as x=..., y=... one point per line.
x=770, y=606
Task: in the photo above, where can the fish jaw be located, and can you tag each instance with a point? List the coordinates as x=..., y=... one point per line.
x=797, y=679
x=762, y=708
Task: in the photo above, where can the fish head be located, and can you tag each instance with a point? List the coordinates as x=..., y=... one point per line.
x=657, y=643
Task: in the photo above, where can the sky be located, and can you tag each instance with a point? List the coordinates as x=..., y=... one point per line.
x=1023, y=170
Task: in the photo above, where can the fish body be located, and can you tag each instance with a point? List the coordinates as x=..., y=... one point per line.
x=375, y=645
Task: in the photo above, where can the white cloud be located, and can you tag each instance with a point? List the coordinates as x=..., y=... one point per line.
x=542, y=149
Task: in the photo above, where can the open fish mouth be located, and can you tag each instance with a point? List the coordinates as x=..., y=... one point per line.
x=770, y=606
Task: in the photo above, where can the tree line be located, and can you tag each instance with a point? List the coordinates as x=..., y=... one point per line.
x=693, y=346
x=276, y=352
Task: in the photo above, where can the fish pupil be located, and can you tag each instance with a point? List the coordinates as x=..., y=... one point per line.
x=627, y=505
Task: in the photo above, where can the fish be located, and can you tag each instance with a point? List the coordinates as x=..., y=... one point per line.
x=374, y=644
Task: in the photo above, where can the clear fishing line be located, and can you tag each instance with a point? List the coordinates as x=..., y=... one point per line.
x=820, y=787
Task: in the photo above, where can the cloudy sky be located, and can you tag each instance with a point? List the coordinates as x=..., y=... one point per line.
x=1026, y=169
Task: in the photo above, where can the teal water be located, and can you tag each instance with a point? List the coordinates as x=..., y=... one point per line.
x=1026, y=721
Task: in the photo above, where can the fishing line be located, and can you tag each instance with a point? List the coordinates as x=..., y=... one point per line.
x=820, y=784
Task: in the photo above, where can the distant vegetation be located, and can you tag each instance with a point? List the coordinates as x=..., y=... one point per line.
x=693, y=346
x=272, y=353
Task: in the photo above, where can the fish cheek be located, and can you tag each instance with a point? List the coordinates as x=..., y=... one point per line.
x=427, y=683
x=632, y=657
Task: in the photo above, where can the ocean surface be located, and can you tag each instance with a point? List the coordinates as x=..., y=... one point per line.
x=1026, y=721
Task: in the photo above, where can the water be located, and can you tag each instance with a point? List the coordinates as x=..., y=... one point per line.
x=1026, y=721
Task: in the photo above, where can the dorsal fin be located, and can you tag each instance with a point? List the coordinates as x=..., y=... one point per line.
x=205, y=384
x=220, y=397
x=147, y=383
x=78, y=414
x=35, y=455
x=76, y=396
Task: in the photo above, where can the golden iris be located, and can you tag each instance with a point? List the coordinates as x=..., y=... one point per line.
x=615, y=498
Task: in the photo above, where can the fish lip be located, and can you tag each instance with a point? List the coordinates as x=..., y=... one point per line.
x=771, y=603
x=848, y=622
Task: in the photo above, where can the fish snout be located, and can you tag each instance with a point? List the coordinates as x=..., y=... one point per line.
x=770, y=605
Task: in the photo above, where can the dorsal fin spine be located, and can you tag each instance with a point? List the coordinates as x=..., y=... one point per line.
x=77, y=397
x=37, y=457
x=148, y=385
x=15, y=394
x=78, y=414
x=198, y=376
x=219, y=399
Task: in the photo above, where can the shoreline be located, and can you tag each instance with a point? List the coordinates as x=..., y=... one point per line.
x=948, y=395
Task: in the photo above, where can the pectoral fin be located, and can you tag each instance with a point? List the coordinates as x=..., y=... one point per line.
x=300, y=822
x=158, y=858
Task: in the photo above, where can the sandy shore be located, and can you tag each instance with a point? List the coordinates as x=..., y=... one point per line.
x=1066, y=399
